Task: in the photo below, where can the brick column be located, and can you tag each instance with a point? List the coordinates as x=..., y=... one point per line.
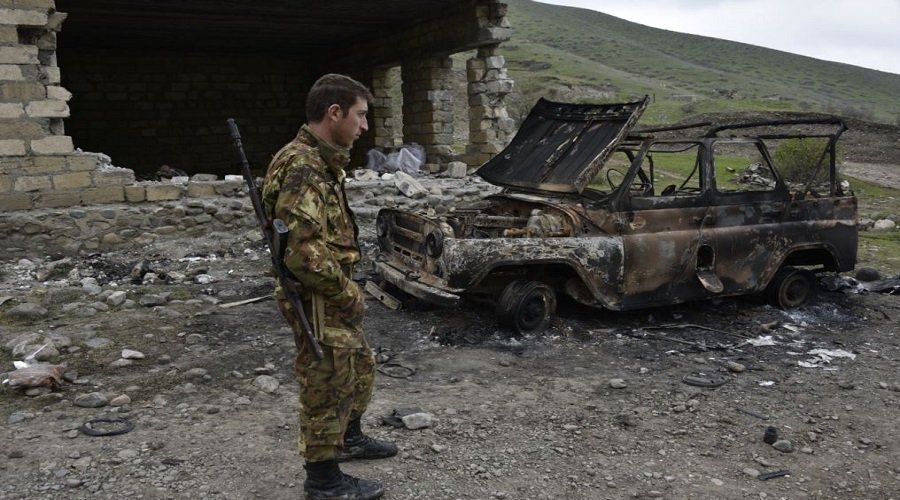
x=382, y=110
x=490, y=127
x=39, y=166
x=428, y=108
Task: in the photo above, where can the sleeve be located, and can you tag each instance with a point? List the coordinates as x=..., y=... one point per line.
x=301, y=206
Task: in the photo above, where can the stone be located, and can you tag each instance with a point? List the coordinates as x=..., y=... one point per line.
x=27, y=311
x=97, y=342
x=196, y=373
x=53, y=145
x=783, y=445
x=90, y=286
x=734, y=366
x=91, y=400
x=884, y=225
x=867, y=274
x=47, y=352
x=47, y=109
x=11, y=109
x=418, y=420
x=266, y=383
x=132, y=354
x=23, y=17
x=365, y=175
x=409, y=186
x=19, y=416
x=116, y=298
x=617, y=383
x=457, y=169
x=22, y=54
x=120, y=400
x=750, y=471
x=152, y=300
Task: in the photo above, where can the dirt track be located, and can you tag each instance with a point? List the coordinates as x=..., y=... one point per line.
x=881, y=174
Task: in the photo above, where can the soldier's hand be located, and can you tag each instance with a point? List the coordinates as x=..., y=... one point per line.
x=350, y=299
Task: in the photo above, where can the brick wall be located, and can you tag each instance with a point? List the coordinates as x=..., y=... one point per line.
x=151, y=109
x=146, y=109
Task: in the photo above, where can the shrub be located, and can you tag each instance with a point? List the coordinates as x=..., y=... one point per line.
x=798, y=159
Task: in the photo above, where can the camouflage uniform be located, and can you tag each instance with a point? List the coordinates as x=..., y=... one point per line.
x=304, y=187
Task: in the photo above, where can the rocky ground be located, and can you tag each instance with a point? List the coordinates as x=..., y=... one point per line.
x=156, y=344
x=596, y=408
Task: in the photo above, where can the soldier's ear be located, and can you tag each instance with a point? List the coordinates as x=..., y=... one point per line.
x=334, y=112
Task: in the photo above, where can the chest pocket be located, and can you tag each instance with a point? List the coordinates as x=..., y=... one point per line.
x=339, y=226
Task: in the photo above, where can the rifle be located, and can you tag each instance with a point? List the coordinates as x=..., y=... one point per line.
x=275, y=232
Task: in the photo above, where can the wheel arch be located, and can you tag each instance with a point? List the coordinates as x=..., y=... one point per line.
x=805, y=256
x=559, y=274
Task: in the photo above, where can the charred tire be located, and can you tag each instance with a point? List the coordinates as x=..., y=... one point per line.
x=791, y=287
x=526, y=306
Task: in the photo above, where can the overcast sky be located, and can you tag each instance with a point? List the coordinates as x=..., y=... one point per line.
x=861, y=32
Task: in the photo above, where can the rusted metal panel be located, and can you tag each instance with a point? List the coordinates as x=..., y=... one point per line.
x=560, y=147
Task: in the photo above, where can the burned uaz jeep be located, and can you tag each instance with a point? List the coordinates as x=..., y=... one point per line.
x=620, y=218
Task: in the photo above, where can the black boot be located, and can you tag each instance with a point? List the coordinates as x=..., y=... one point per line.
x=358, y=445
x=325, y=481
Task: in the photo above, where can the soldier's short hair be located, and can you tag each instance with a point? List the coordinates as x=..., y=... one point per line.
x=333, y=89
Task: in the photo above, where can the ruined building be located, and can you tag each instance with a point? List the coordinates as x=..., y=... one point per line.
x=93, y=91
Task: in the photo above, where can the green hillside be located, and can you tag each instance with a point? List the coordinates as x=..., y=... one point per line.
x=578, y=54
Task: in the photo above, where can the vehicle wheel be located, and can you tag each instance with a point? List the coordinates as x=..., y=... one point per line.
x=791, y=287
x=526, y=306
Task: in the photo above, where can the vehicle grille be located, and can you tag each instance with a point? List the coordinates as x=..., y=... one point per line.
x=406, y=237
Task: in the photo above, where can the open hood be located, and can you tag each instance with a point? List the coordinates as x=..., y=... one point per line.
x=560, y=147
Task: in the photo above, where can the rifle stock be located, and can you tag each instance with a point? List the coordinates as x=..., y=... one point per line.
x=275, y=232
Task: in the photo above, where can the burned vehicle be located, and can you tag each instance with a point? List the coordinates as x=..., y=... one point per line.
x=621, y=218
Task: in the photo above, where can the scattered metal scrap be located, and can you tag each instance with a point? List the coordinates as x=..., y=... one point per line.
x=773, y=475
x=106, y=426
x=888, y=286
x=396, y=370
x=700, y=379
x=700, y=345
x=698, y=327
x=753, y=414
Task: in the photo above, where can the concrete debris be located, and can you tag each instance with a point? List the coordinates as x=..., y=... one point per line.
x=409, y=186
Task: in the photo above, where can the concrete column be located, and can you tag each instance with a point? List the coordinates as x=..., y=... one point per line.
x=428, y=108
x=490, y=127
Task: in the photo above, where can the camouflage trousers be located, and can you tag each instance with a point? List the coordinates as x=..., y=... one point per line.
x=333, y=391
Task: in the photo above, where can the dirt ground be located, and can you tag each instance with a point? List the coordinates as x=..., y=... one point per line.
x=597, y=408
x=537, y=417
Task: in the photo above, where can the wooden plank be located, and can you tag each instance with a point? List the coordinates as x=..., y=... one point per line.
x=387, y=299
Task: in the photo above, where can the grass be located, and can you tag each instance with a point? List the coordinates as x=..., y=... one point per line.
x=585, y=47
x=880, y=250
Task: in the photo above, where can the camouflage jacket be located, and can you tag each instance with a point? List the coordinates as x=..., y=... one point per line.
x=304, y=187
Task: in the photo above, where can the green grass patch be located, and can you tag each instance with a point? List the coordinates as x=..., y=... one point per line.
x=880, y=250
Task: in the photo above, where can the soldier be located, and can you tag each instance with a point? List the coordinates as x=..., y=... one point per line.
x=304, y=186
